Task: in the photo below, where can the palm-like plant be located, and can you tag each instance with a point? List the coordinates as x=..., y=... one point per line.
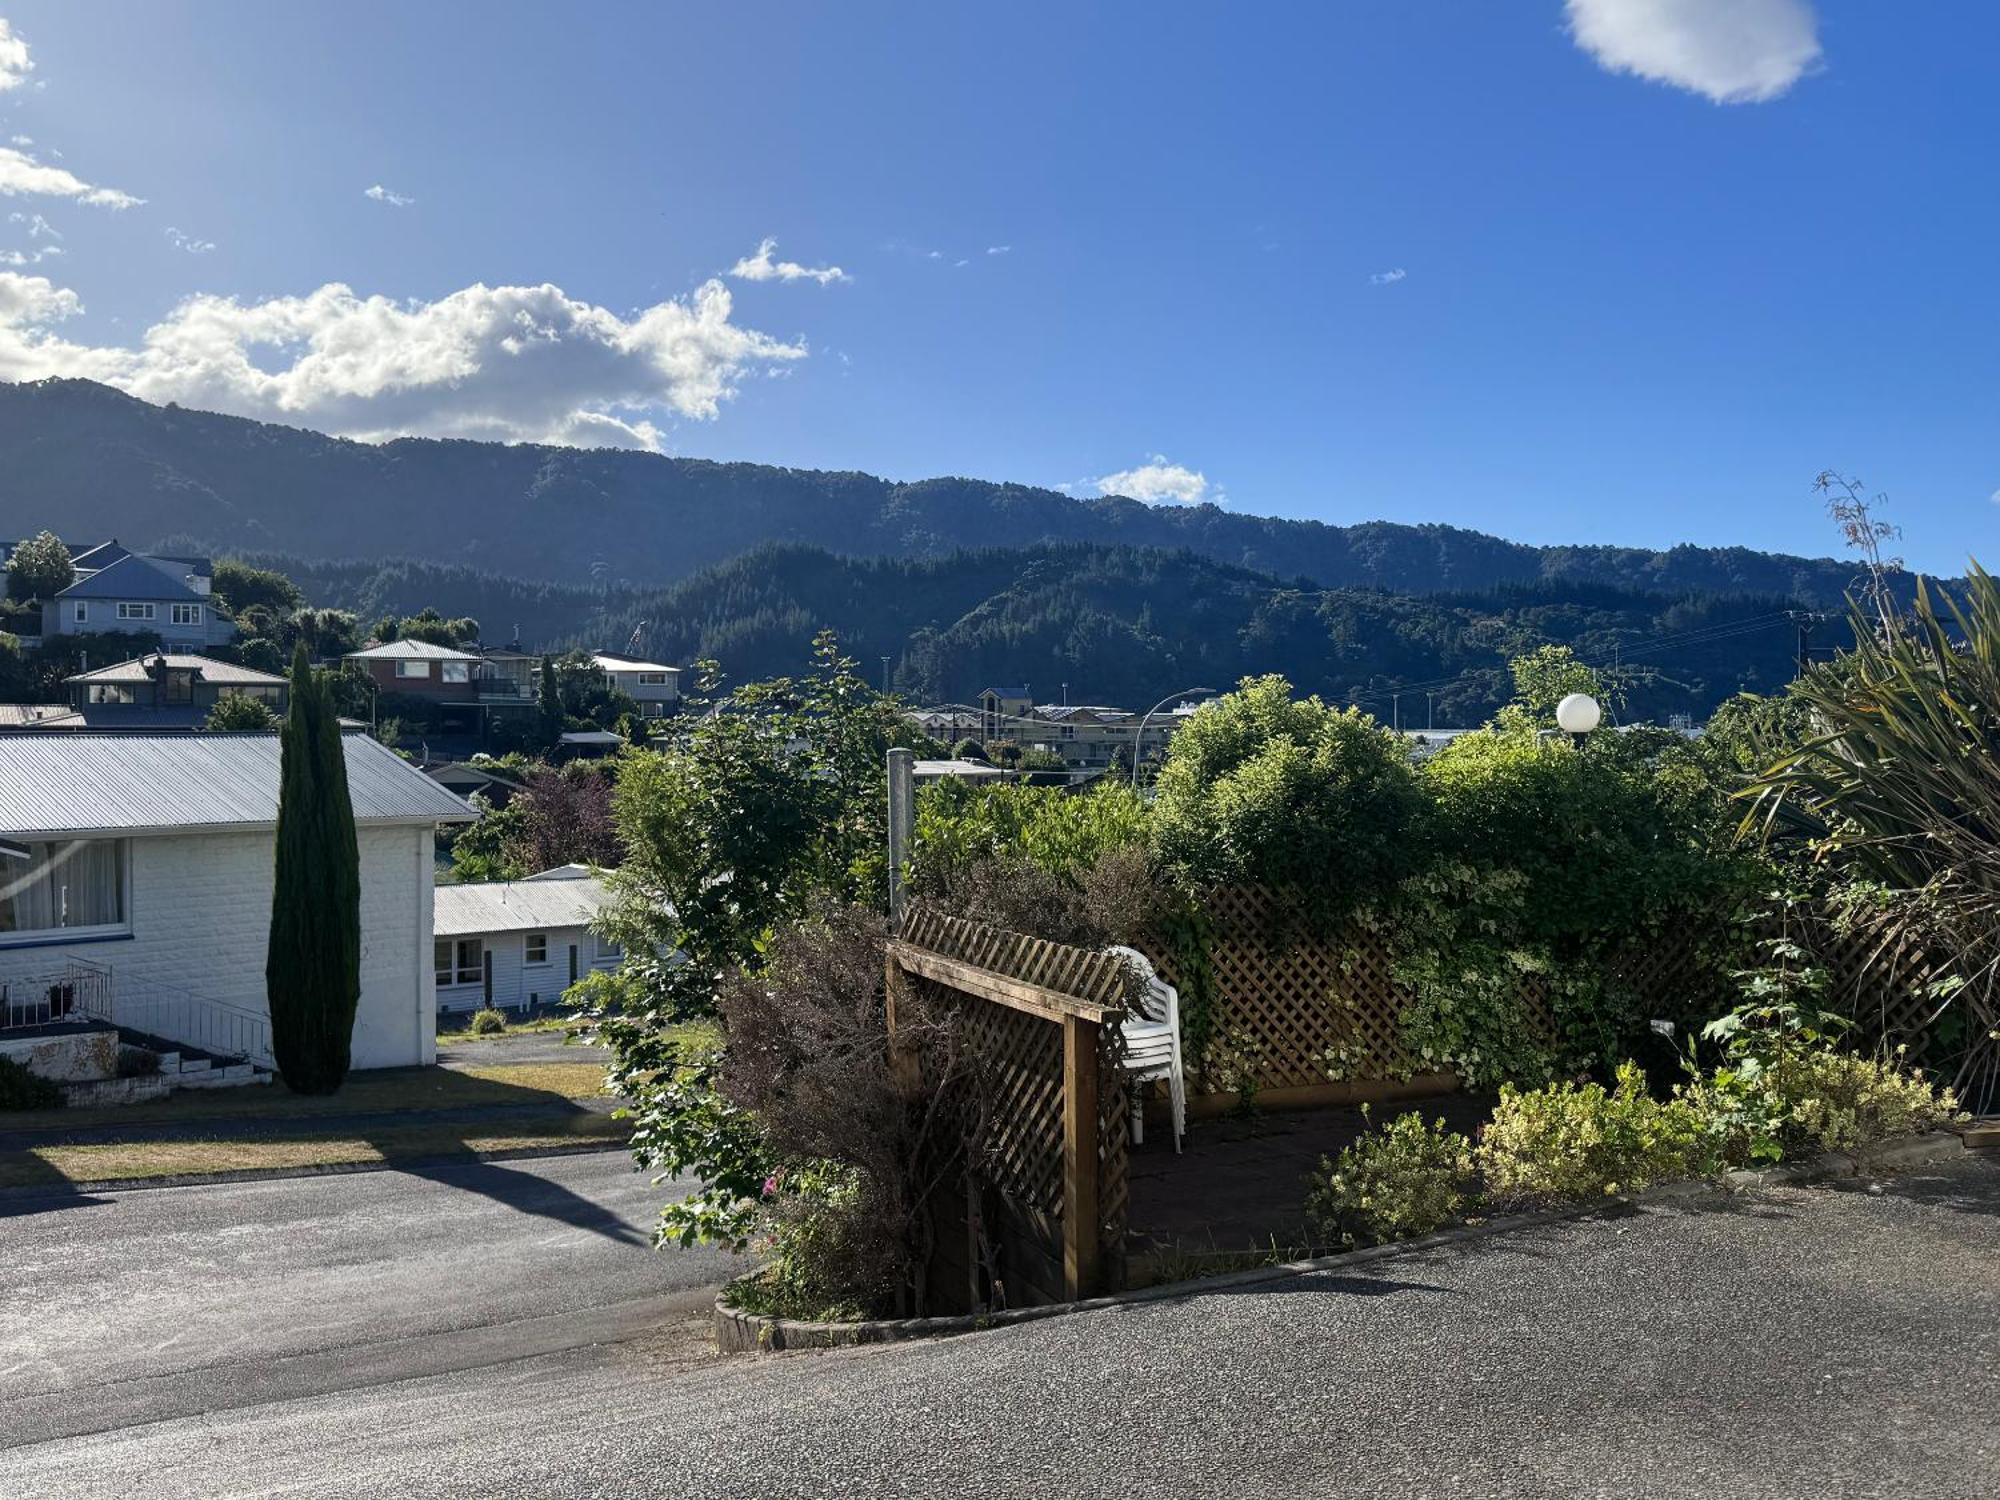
x=1901, y=786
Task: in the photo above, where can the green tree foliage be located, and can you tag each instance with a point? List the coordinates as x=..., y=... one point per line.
x=749, y=816
x=39, y=568
x=550, y=705
x=960, y=823
x=1897, y=792
x=490, y=849
x=1260, y=788
x=312, y=971
x=1542, y=679
x=239, y=587
x=239, y=711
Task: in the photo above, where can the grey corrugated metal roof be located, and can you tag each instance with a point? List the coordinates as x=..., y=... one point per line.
x=133, y=577
x=228, y=673
x=135, y=781
x=608, y=661
x=514, y=906
x=411, y=651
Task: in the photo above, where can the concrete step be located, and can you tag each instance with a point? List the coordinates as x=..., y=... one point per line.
x=235, y=1075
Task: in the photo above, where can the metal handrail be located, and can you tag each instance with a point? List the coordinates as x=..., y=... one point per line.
x=80, y=989
x=174, y=1014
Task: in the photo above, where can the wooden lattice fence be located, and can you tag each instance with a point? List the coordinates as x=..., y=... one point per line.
x=1046, y=1196
x=1299, y=997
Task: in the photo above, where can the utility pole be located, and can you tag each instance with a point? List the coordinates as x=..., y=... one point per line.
x=1430, y=719
x=902, y=817
x=1396, y=710
x=885, y=677
x=1804, y=620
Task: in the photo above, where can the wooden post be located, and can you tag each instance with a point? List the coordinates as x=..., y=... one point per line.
x=1079, y=1223
x=902, y=816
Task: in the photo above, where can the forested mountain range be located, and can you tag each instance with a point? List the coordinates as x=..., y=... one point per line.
x=95, y=463
x=1115, y=625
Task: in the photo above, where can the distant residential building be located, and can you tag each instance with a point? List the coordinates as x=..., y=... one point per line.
x=169, y=598
x=655, y=687
x=468, y=684
x=962, y=770
x=467, y=778
x=165, y=690
x=999, y=708
x=517, y=943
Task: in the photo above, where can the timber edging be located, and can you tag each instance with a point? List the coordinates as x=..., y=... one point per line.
x=739, y=1332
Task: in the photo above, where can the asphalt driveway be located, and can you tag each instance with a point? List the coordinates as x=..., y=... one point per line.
x=124, y=1308
x=1822, y=1343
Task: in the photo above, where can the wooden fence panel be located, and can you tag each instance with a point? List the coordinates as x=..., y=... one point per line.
x=1040, y=1020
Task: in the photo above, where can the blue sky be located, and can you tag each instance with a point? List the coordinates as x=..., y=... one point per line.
x=1508, y=266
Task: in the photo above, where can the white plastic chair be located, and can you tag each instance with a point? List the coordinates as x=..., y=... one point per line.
x=1153, y=1044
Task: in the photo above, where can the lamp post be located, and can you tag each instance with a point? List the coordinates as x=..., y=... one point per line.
x=1577, y=715
x=1139, y=744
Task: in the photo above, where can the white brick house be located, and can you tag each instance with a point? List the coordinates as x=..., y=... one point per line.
x=148, y=854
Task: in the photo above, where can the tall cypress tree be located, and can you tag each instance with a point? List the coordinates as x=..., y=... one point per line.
x=312, y=973
x=551, y=705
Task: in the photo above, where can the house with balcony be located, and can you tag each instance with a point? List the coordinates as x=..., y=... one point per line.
x=467, y=686
x=654, y=686
x=135, y=893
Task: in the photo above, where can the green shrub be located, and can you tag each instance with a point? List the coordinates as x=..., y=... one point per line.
x=1817, y=1099
x=833, y=1257
x=1403, y=1180
x=1573, y=1143
x=20, y=1089
x=1260, y=788
x=1233, y=1063
x=487, y=1022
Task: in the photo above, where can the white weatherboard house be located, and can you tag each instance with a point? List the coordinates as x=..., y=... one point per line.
x=139, y=863
x=514, y=944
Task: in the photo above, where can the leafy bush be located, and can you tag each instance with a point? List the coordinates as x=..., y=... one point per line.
x=1836, y=1101
x=487, y=1022
x=1261, y=788
x=20, y=1089
x=832, y=1256
x=1233, y=1063
x=1405, y=1179
x=1574, y=1143
x=961, y=824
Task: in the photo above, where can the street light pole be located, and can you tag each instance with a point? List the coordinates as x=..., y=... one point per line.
x=1139, y=744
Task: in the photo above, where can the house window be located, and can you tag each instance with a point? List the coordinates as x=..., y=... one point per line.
x=413, y=669
x=538, y=948
x=187, y=614
x=130, y=611
x=607, y=948
x=457, y=671
x=461, y=962
x=652, y=679
x=82, y=612
x=111, y=692
x=72, y=889
x=177, y=687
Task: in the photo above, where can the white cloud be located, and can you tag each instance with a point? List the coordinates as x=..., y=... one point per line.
x=1732, y=51
x=761, y=267
x=383, y=195
x=38, y=227
x=1159, y=482
x=511, y=363
x=21, y=174
x=29, y=257
x=998, y=249
x=15, y=64
x=1387, y=278
x=189, y=243
x=22, y=141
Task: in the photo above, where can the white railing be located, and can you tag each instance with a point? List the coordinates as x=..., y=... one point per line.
x=172, y=1014
x=78, y=991
x=167, y=1013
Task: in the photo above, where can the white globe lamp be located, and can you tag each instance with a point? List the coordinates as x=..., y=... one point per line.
x=1578, y=714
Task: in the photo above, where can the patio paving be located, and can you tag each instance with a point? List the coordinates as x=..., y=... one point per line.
x=1238, y=1184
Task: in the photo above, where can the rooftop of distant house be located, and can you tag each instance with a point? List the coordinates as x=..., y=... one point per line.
x=412, y=651
x=611, y=661
x=143, y=669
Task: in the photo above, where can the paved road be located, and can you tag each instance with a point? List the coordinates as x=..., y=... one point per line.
x=465, y=1051
x=1809, y=1343
x=118, y=1309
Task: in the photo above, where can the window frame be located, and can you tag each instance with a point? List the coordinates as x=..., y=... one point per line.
x=528, y=943
x=82, y=612
x=184, y=614
x=412, y=667
x=455, y=671
x=138, y=609
x=97, y=932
